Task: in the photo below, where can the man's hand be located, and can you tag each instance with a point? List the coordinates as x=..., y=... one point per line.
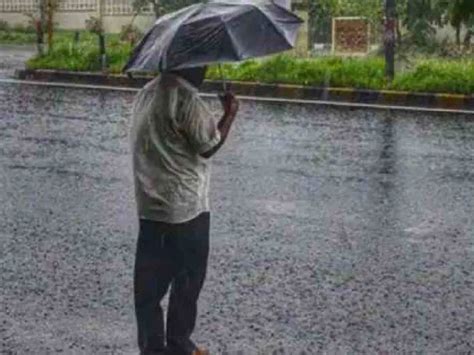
x=229, y=103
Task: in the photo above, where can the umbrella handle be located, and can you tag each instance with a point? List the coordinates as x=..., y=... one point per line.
x=224, y=82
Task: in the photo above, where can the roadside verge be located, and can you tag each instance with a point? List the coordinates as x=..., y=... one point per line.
x=295, y=92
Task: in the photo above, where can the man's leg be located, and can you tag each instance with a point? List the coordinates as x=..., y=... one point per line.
x=186, y=287
x=153, y=272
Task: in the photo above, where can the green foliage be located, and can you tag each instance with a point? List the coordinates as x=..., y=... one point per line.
x=4, y=26
x=422, y=17
x=83, y=56
x=23, y=29
x=17, y=34
x=130, y=33
x=11, y=37
x=95, y=25
x=330, y=71
x=454, y=76
x=461, y=12
x=419, y=19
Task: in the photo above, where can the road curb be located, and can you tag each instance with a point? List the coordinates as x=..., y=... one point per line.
x=296, y=92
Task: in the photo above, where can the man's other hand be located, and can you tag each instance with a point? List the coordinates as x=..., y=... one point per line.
x=229, y=103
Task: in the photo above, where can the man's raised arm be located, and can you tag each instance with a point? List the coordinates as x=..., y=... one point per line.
x=231, y=107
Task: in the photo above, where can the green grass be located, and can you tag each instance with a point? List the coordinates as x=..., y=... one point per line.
x=337, y=72
x=451, y=76
x=17, y=37
x=82, y=56
x=26, y=35
x=434, y=75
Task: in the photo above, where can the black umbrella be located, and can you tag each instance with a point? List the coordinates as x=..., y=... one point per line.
x=215, y=32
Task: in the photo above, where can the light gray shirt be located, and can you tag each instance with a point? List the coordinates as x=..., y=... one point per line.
x=172, y=126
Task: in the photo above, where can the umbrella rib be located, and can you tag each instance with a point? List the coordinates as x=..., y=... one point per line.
x=268, y=17
x=165, y=50
x=236, y=18
x=231, y=37
x=278, y=29
x=229, y=34
x=136, y=52
x=140, y=47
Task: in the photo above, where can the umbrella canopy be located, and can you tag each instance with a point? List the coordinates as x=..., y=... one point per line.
x=215, y=32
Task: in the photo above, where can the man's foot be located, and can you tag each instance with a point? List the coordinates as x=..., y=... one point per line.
x=196, y=351
x=200, y=351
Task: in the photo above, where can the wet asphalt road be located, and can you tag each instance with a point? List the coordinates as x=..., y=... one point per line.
x=338, y=230
x=12, y=57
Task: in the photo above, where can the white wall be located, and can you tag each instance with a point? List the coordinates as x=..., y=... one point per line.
x=14, y=18
x=77, y=20
x=114, y=23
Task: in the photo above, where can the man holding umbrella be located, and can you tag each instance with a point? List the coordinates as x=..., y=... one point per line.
x=173, y=136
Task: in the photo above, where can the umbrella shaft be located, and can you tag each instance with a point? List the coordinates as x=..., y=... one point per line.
x=224, y=82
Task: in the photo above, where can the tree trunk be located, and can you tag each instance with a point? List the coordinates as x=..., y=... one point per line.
x=103, y=55
x=40, y=27
x=39, y=43
x=157, y=8
x=467, y=39
x=458, y=35
x=76, y=38
x=50, y=14
x=389, y=38
x=320, y=20
x=399, y=32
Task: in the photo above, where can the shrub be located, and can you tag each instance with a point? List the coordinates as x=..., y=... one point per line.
x=16, y=37
x=327, y=71
x=19, y=28
x=456, y=76
x=82, y=56
x=441, y=75
x=95, y=25
x=130, y=33
x=4, y=26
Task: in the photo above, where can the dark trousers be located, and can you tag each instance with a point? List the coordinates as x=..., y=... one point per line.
x=176, y=255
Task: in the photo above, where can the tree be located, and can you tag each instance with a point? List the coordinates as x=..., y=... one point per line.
x=161, y=7
x=43, y=22
x=320, y=16
x=422, y=17
x=461, y=12
x=37, y=20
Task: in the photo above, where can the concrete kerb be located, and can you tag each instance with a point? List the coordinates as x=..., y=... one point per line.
x=281, y=91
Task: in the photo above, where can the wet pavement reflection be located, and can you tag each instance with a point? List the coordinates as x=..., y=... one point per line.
x=332, y=229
